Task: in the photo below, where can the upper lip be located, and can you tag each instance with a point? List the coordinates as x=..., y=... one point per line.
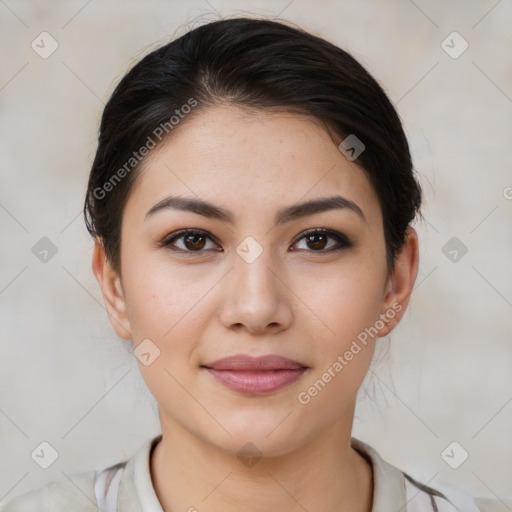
x=244, y=362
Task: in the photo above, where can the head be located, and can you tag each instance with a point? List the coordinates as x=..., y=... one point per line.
x=288, y=232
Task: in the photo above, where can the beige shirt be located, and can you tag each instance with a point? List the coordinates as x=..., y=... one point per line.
x=127, y=487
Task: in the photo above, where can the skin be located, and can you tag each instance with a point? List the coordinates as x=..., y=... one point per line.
x=300, y=303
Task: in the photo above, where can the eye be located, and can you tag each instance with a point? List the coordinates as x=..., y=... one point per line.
x=194, y=240
x=317, y=240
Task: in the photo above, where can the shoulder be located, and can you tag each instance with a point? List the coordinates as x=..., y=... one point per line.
x=493, y=505
x=76, y=493
x=79, y=492
x=395, y=489
x=448, y=498
x=101, y=489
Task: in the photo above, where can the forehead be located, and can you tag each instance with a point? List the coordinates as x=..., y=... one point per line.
x=251, y=159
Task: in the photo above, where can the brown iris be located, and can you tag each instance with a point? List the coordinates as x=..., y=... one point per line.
x=194, y=244
x=315, y=244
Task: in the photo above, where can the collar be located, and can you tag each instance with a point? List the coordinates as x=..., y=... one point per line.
x=137, y=494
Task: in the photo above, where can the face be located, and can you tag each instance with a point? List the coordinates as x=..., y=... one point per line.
x=251, y=279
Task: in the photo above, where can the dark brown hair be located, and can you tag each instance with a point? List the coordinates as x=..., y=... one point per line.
x=250, y=63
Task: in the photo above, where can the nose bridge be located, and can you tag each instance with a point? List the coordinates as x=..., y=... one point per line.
x=256, y=298
x=254, y=267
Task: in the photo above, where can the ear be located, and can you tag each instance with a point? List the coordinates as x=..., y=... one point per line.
x=112, y=290
x=400, y=283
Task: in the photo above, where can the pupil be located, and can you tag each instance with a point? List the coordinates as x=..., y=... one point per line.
x=312, y=237
x=195, y=243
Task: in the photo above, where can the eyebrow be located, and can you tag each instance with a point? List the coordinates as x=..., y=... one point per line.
x=283, y=215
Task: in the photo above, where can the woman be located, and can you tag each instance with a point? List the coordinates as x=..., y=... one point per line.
x=251, y=201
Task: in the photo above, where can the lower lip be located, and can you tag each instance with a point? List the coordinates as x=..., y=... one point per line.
x=256, y=383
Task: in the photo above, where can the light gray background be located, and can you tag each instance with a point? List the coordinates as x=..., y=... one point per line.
x=65, y=377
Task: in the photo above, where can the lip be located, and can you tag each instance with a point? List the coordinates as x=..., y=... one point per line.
x=255, y=375
x=244, y=362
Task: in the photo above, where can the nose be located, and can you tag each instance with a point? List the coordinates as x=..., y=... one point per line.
x=257, y=297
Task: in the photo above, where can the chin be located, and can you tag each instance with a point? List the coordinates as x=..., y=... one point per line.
x=264, y=437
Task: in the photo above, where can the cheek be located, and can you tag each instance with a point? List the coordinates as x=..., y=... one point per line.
x=169, y=309
x=170, y=306
x=157, y=295
x=347, y=305
x=346, y=301
x=348, y=309
x=165, y=309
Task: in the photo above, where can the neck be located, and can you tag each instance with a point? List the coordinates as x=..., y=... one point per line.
x=326, y=474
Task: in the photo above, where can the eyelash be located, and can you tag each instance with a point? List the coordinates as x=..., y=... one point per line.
x=343, y=241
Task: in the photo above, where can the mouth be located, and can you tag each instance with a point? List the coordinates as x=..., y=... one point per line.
x=255, y=375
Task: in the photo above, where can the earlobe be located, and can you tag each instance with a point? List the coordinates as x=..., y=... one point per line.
x=112, y=291
x=400, y=283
